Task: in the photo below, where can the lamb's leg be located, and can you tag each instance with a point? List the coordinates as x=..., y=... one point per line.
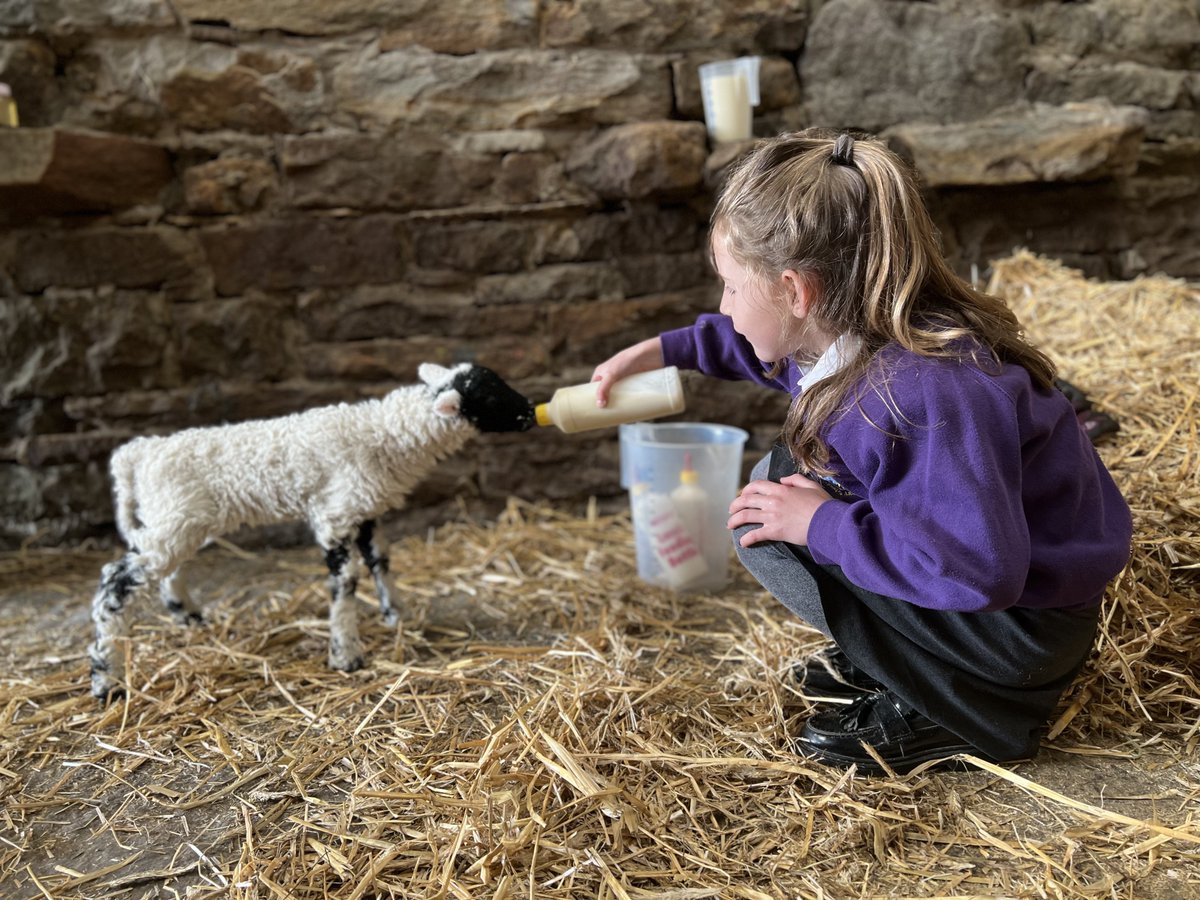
x=178, y=600
x=119, y=582
x=345, y=648
x=377, y=561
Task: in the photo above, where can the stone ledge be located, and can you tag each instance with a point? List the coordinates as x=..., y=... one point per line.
x=1039, y=143
x=55, y=170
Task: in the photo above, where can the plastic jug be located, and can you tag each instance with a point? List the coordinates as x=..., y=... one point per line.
x=681, y=477
x=729, y=88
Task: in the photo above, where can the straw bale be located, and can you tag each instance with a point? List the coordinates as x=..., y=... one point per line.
x=1134, y=347
x=544, y=725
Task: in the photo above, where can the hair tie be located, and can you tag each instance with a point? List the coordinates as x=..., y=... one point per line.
x=843, y=151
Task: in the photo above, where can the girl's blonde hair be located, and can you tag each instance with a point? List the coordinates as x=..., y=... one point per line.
x=845, y=213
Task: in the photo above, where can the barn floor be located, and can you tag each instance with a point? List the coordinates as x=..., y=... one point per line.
x=543, y=725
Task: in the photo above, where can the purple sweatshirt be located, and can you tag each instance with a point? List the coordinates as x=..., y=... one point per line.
x=992, y=495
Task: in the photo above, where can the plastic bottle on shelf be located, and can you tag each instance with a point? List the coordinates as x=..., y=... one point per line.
x=8, y=107
x=646, y=395
x=691, y=502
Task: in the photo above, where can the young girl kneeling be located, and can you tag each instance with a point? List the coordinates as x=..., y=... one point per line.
x=934, y=506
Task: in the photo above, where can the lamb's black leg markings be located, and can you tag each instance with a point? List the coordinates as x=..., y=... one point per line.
x=379, y=565
x=345, y=648
x=178, y=600
x=118, y=581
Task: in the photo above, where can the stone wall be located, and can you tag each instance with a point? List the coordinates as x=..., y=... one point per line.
x=218, y=209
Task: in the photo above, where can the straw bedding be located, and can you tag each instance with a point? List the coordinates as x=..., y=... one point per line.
x=544, y=725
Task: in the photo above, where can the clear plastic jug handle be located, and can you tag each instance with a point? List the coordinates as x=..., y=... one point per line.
x=750, y=66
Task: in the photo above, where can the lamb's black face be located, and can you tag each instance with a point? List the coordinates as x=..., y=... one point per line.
x=490, y=404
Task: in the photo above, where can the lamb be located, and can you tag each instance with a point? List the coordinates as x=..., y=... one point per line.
x=337, y=467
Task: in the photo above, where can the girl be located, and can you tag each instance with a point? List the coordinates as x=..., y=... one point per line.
x=933, y=506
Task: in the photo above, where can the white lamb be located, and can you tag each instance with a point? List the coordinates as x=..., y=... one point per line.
x=336, y=467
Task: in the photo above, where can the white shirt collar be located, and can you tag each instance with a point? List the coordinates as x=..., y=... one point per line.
x=839, y=354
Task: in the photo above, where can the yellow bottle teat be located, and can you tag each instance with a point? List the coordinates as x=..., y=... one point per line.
x=542, y=412
x=688, y=475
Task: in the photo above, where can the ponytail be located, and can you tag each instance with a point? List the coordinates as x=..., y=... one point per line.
x=845, y=211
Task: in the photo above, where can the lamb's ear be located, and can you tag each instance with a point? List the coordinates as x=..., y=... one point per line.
x=433, y=374
x=448, y=403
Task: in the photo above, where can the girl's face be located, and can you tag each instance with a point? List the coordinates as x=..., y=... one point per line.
x=748, y=300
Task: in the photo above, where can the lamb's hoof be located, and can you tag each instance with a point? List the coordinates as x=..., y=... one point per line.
x=181, y=615
x=104, y=688
x=391, y=618
x=353, y=664
x=345, y=659
x=106, y=696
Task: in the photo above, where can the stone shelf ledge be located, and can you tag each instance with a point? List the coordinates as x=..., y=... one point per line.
x=60, y=170
x=1038, y=143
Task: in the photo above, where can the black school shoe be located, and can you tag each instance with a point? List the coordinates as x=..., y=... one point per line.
x=1095, y=424
x=830, y=675
x=902, y=737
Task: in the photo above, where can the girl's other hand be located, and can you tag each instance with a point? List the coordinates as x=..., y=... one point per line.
x=641, y=357
x=784, y=509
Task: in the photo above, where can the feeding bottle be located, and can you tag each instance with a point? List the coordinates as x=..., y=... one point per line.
x=680, y=560
x=646, y=395
x=691, y=501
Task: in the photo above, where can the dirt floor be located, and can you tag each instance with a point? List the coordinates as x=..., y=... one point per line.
x=540, y=725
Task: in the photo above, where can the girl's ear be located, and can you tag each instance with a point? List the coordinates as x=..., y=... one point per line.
x=798, y=292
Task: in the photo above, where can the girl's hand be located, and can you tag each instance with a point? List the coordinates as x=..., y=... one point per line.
x=784, y=509
x=641, y=357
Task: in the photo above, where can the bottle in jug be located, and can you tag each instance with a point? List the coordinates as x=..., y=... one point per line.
x=691, y=503
x=680, y=560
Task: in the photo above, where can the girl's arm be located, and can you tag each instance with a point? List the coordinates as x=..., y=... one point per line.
x=712, y=346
